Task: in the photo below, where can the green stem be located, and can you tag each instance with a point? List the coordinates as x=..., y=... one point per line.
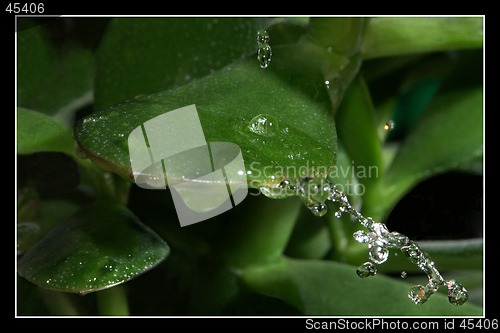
x=338, y=234
x=113, y=301
x=58, y=303
x=107, y=185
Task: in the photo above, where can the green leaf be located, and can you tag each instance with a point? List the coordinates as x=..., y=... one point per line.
x=332, y=288
x=390, y=36
x=341, y=39
x=161, y=53
x=357, y=130
x=342, y=35
x=97, y=247
x=51, y=80
x=450, y=134
x=37, y=132
x=301, y=138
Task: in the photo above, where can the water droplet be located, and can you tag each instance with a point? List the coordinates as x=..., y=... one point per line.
x=263, y=37
x=457, y=294
x=389, y=126
x=284, y=189
x=264, y=124
x=274, y=192
x=417, y=294
x=378, y=254
x=366, y=270
x=380, y=230
x=368, y=222
x=319, y=210
x=327, y=84
x=361, y=236
x=264, y=55
x=315, y=189
x=404, y=275
x=264, y=52
x=398, y=240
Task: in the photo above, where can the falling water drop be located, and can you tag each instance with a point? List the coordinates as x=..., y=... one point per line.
x=327, y=84
x=314, y=192
x=264, y=51
x=361, y=236
x=417, y=294
x=264, y=55
x=378, y=254
x=366, y=270
x=263, y=37
x=404, y=275
x=457, y=294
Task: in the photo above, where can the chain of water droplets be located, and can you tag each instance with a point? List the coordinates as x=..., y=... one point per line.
x=314, y=192
x=264, y=51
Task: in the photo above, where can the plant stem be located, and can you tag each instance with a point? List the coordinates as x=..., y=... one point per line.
x=58, y=303
x=113, y=301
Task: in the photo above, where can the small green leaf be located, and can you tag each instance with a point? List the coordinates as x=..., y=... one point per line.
x=97, y=247
x=161, y=53
x=37, y=132
x=302, y=138
x=332, y=288
x=390, y=36
x=51, y=80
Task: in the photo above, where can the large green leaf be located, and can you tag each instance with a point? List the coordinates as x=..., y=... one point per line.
x=52, y=80
x=37, y=132
x=99, y=246
x=357, y=130
x=450, y=134
x=389, y=36
x=332, y=288
x=161, y=53
x=300, y=138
